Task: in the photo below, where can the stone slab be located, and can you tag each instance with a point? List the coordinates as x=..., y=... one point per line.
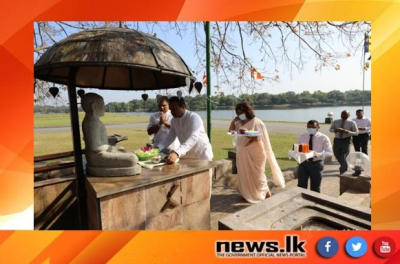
x=124, y=210
x=356, y=183
x=196, y=188
x=292, y=208
x=157, y=196
x=351, y=197
x=104, y=186
x=223, y=168
x=197, y=216
x=170, y=218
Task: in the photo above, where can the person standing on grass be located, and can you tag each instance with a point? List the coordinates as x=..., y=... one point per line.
x=251, y=156
x=160, y=125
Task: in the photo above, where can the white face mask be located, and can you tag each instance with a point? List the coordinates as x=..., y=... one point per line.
x=312, y=131
x=242, y=117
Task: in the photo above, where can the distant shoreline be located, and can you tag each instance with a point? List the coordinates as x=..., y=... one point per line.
x=285, y=106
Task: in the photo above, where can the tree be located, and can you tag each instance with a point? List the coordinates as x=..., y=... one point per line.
x=291, y=97
x=309, y=100
x=336, y=96
x=230, y=44
x=263, y=99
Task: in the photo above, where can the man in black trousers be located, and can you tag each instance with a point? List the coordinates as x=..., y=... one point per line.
x=343, y=129
x=360, y=142
x=313, y=168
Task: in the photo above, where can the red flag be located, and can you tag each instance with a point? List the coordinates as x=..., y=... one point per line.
x=256, y=74
x=204, y=79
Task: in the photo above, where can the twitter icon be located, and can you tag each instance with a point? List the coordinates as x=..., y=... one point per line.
x=356, y=247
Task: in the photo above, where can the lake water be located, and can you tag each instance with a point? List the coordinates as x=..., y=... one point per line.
x=290, y=115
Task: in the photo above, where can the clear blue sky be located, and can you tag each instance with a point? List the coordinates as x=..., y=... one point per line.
x=349, y=77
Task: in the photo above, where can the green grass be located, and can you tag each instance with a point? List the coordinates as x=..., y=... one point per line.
x=62, y=120
x=56, y=142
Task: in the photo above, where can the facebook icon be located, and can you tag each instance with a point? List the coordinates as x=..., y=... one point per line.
x=327, y=247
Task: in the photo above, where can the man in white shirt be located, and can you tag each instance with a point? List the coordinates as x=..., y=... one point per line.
x=360, y=142
x=343, y=129
x=188, y=128
x=313, y=167
x=160, y=124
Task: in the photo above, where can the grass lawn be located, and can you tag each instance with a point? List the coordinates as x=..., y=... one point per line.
x=56, y=142
x=62, y=120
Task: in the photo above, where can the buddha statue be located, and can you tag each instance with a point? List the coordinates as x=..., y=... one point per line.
x=102, y=158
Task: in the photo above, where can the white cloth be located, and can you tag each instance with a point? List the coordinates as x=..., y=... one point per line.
x=321, y=144
x=189, y=130
x=163, y=132
x=299, y=156
x=363, y=122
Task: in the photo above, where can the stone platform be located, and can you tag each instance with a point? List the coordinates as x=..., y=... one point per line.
x=225, y=195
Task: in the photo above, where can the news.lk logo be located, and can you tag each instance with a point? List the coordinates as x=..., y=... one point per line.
x=384, y=247
x=292, y=248
x=356, y=247
x=327, y=247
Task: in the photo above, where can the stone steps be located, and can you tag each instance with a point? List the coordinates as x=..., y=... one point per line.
x=351, y=197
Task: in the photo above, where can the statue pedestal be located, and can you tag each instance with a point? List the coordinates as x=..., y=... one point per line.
x=357, y=183
x=173, y=196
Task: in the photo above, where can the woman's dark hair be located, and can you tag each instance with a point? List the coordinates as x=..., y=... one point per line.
x=179, y=101
x=163, y=98
x=246, y=108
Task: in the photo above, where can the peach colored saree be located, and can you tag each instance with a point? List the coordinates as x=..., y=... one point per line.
x=250, y=162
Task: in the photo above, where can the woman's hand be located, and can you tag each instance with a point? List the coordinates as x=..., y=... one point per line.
x=242, y=130
x=251, y=140
x=235, y=119
x=232, y=126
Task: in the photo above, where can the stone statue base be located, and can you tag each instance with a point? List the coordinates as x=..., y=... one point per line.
x=112, y=172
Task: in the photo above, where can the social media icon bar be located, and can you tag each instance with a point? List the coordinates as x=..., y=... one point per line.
x=384, y=247
x=327, y=247
x=356, y=247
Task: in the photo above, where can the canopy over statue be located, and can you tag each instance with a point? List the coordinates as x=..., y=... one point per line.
x=114, y=58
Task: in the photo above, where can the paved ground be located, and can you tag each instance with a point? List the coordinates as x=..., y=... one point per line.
x=225, y=199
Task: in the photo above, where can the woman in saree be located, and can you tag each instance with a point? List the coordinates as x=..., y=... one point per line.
x=251, y=156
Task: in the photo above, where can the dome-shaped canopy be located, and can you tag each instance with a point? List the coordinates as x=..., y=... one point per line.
x=114, y=58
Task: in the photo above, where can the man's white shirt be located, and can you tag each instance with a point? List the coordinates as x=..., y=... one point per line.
x=321, y=144
x=163, y=132
x=190, y=132
x=363, y=122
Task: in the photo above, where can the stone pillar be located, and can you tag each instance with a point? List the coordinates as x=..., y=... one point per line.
x=232, y=156
x=357, y=183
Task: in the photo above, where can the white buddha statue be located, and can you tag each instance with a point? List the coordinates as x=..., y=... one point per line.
x=102, y=158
